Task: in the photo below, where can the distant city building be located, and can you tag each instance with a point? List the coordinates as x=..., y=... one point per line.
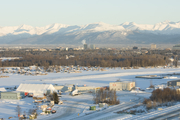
x=57, y=49
x=135, y=48
x=153, y=46
x=92, y=46
x=49, y=49
x=85, y=46
x=42, y=49
x=35, y=49
x=66, y=48
x=67, y=57
x=176, y=47
x=70, y=49
x=144, y=49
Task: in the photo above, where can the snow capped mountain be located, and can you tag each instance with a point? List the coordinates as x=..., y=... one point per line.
x=94, y=32
x=16, y=30
x=134, y=26
x=49, y=29
x=100, y=26
x=166, y=27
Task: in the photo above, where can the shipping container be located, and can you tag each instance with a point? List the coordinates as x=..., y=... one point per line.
x=26, y=93
x=92, y=107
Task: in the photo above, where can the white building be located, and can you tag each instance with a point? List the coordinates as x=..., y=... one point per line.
x=122, y=85
x=36, y=89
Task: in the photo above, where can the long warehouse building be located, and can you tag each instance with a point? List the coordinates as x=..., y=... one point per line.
x=173, y=83
x=121, y=85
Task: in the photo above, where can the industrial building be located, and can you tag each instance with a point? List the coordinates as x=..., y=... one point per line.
x=86, y=88
x=71, y=87
x=14, y=95
x=36, y=89
x=83, y=88
x=121, y=85
x=173, y=83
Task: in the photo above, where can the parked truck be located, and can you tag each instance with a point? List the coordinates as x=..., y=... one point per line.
x=74, y=92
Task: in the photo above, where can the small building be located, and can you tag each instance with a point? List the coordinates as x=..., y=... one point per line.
x=121, y=85
x=173, y=83
x=135, y=48
x=72, y=87
x=42, y=49
x=85, y=88
x=35, y=49
x=66, y=88
x=14, y=95
x=70, y=49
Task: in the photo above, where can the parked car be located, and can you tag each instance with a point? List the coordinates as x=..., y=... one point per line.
x=30, y=94
x=53, y=111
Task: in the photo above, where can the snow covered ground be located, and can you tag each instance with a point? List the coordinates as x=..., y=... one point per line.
x=92, y=78
x=8, y=107
x=79, y=104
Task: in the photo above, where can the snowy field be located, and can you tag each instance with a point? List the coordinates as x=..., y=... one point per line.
x=80, y=104
x=92, y=78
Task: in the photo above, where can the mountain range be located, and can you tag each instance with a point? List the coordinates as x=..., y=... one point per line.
x=96, y=33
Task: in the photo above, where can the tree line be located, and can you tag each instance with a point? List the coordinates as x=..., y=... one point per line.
x=160, y=97
x=83, y=58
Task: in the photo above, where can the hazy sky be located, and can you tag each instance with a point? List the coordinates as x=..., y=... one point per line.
x=80, y=12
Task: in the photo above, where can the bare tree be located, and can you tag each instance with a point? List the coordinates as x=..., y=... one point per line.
x=18, y=111
x=106, y=96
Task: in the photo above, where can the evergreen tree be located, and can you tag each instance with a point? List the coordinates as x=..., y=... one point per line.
x=56, y=99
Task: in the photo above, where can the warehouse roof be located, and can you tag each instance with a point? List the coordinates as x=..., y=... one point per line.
x=123, y=81
x=2, y=89
x=174, y=80
x=11, y=92
x=35, y=88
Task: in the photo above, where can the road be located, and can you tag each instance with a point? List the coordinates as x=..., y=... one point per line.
x=170, y=116
x=66, y=111
x=112, y=109
x=158, y=114
x=70, y=110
